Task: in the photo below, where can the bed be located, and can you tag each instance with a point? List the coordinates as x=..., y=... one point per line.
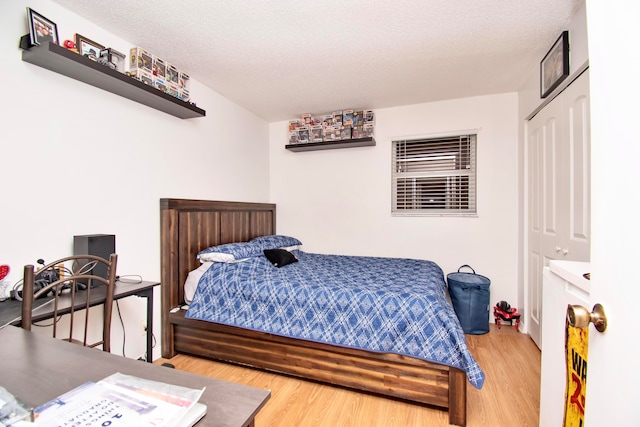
x=189, y=227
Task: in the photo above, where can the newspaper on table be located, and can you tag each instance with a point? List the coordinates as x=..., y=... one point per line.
x=119, y=400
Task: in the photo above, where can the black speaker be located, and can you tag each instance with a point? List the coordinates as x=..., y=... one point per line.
x=102, y=245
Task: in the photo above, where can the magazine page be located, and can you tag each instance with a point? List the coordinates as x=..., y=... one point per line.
x=176, y=399
x=178, y=395
x=118, y=400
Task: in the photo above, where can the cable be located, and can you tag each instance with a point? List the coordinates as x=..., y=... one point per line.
x=130, y=279
x=153, y=345
x=124, y=333
x=46, y=325
x=16, y=289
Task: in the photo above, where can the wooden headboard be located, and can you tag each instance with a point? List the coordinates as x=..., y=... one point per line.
x=189, y=226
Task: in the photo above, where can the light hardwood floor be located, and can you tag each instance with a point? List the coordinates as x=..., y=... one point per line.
x=510, y=396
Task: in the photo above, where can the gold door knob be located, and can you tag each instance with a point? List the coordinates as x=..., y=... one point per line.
x=580, y=317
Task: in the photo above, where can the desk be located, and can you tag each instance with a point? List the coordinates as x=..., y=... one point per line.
x=39, y=368
x=11, y=310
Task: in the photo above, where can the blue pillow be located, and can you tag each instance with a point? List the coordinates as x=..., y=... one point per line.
x=276, y=241
x=230, y=252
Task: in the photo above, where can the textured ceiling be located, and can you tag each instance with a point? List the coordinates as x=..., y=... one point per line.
x=281, y=58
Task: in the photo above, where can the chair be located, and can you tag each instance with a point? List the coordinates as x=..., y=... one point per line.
x=74, y=290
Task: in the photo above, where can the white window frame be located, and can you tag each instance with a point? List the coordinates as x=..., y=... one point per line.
x=446, y=170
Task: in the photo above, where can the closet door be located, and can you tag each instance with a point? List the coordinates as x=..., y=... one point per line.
x=545, y=200
x=558, y=190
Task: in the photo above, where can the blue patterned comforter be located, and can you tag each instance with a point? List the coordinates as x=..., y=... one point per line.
x=389, y=305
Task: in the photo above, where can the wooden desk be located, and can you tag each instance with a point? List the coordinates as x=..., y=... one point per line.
x=11, y=310
x=38, y=368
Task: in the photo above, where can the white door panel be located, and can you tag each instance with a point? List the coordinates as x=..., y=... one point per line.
x=613, y=376
x=553, y=181
x=579, y=197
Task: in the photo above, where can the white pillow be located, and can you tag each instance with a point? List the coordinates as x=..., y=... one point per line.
x=193, y=278
x=216, y=257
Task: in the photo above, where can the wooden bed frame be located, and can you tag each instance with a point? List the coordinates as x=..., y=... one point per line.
x=188, y=226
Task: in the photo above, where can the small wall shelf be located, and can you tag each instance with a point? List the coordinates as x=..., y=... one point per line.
x=330, y=145
x=63, y=61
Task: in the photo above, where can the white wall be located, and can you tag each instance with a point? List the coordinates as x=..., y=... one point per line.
x=79, y=160
x=339, y=201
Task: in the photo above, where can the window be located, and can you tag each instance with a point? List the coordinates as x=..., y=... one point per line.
x=434, y=176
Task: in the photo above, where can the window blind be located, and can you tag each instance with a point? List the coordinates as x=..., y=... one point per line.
x=434, y=176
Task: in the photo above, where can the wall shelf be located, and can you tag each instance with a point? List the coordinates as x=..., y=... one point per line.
x=330, y=145
x=63, y=61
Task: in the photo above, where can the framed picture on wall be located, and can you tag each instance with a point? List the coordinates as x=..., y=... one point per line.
x=554, y=67
x=41, y=29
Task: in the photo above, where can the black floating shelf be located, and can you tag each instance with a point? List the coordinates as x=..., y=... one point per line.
x=330, y=145
x=61, y=60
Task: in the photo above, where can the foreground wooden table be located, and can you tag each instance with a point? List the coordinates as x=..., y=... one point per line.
x=37, y=368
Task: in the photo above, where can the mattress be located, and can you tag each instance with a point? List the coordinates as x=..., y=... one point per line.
x=389, y=305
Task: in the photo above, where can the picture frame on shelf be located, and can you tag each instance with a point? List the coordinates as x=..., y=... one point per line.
x=41, y=29
x=554, y=67
x=87, y=47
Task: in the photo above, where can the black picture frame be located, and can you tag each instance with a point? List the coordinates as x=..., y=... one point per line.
x=41, y=29
x=554, y=67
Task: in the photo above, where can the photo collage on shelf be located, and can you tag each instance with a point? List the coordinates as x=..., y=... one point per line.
x=337, y=126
